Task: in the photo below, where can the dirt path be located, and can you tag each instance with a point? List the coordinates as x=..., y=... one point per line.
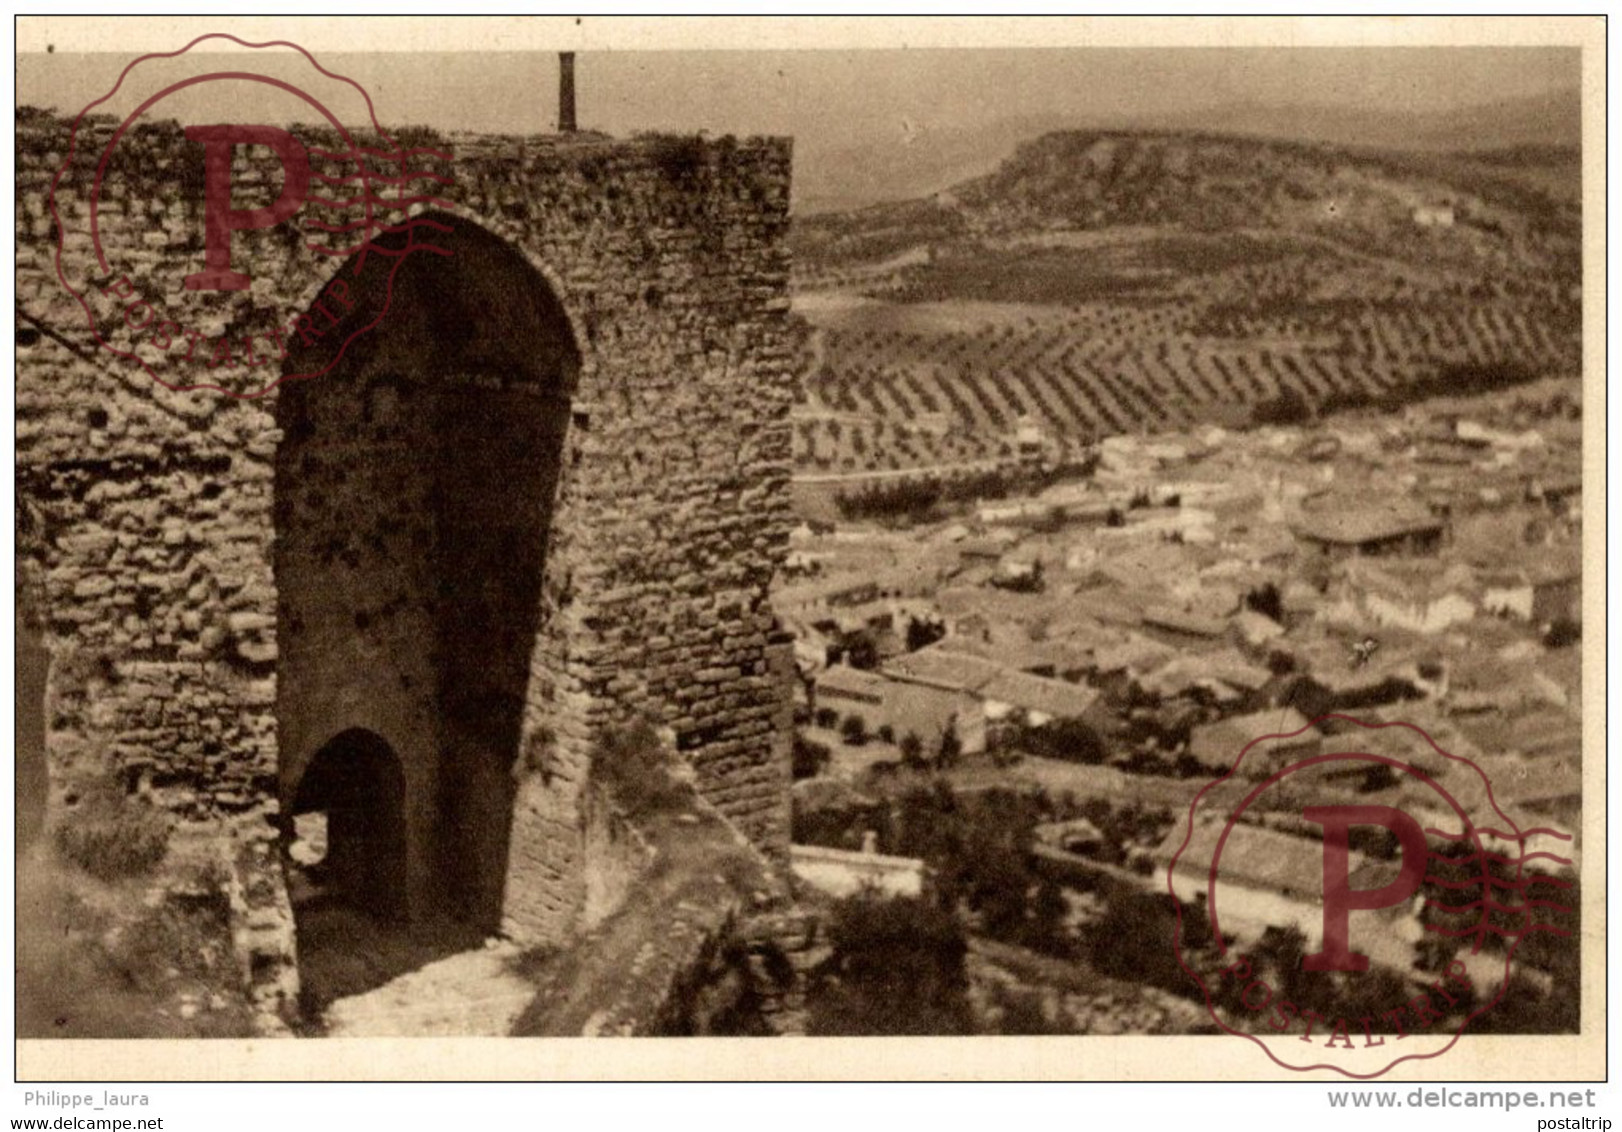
x=471, y=994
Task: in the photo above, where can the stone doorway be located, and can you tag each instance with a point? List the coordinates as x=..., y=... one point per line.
x=349, y=820
x=347, y=870
x=414, y=489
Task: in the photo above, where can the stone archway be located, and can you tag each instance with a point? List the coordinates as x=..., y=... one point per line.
x=414, y=490
x=355, y=786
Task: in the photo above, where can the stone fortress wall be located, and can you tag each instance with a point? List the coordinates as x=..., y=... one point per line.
x=545, y=494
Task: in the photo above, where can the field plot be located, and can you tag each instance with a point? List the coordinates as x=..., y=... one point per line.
x=1038, y=306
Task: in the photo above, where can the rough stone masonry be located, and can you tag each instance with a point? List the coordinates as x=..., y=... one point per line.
x=544, y=495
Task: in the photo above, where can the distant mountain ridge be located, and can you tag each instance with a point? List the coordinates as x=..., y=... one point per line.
x=1521, y=206
x=1554, y=119
x=912, y=165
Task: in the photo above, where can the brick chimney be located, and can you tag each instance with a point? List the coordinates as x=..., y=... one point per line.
x=566, y=92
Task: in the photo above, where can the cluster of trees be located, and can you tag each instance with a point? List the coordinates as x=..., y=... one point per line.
x=1291, y=407
x=923, y=633
x=853, y=729
x=896, y=967
x=1541, y=996
x=1526, y=1007
x=1132, y=940
x=978, y=846
x=1466, y=379
x=810, y=757
x=916, y=499
x=1538, y=913
x=907, y=499
x=1460, y=863
x=1266, y=600
x=1276, y=959
x=1288, y=407
x=860, y=648
x=1563, y=632
x=1122, y=826
x=1048, y=276
x=1069, y=739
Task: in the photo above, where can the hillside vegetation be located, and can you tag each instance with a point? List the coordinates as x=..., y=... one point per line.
x=1107, y=281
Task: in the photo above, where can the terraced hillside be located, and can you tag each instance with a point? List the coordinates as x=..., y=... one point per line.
x=1106, y=282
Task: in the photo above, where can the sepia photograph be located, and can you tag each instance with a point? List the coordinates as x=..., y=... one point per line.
x=1066, y=536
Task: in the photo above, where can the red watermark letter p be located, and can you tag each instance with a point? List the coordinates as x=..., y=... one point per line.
x=220, y=219
x=1340, y=898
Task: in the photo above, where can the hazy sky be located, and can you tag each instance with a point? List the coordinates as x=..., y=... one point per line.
x=823, y=97
x=837, y=104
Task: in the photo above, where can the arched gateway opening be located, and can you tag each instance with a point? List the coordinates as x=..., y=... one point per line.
x=349, y=825
x=414, y=488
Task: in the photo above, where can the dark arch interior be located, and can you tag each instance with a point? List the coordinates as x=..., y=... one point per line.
x=414, y=490
x=355, y=781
